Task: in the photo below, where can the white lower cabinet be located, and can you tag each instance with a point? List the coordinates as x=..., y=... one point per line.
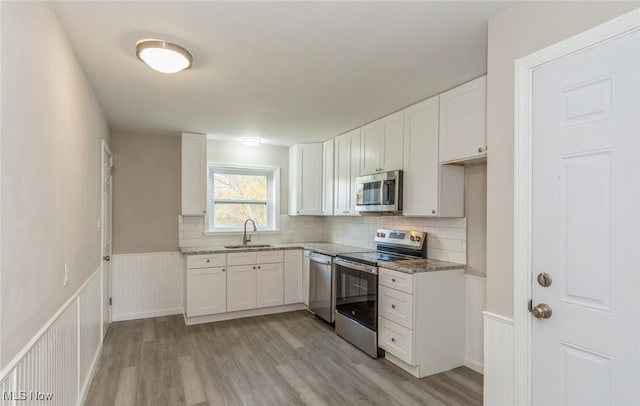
x=241, y=287
x=270, y=286
x=292, y=276
x=421, y=320
x=237, y=281
x=207, y=291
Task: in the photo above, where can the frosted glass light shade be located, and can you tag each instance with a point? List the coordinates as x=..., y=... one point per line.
x=163, y=56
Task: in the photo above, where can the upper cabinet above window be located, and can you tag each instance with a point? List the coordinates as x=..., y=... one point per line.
x=463, y=122
x=194, y=167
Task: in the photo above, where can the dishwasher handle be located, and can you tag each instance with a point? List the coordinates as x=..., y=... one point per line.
x=320, y=259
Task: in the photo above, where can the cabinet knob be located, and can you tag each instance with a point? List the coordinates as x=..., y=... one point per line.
x=204, y=212
x=254, y=267
x=393, y=306
x=393, y=279
x=258, y=267
x=433, y=211
x=298, y=212
x=223, y=269
x=480, y=149
x=393, y=340
x=208, y=260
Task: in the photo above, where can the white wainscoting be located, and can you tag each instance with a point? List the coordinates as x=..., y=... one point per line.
x=146, y=285
x=499, y=360
x=61, y=358
x=476, y=299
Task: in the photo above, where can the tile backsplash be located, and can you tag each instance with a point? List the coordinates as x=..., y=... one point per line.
x=292, y=229
x=447, y=238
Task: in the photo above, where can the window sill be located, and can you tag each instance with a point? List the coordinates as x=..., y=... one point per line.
x=261, y=232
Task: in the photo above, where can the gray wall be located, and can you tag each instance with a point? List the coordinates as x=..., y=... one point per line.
x=518, y=31
x=52, y=130
x=146, y=192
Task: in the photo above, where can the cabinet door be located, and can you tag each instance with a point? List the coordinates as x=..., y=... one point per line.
x=347, y=169
x=393, y=136
x=206, y=291
x=327, y=178
x=342, y=159
x=293, y=276
x=241, y=287
x=421, y=165
x=306, y=263
x=305, y=179
x=372, y=148
x=194, y=174
x=270, y=285
x=463, y=122
x=382, y=145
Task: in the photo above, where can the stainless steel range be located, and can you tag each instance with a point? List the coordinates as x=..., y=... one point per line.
x=356, y=314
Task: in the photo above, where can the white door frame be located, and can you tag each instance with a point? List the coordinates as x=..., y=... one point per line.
x=524, y=68
x=105, y=148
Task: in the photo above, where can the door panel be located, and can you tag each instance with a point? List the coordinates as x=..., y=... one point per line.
x=586, y=195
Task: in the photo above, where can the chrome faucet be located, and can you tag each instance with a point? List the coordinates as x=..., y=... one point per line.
x=246, y=239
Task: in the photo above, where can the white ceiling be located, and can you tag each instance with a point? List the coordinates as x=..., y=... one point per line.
x=287, y=71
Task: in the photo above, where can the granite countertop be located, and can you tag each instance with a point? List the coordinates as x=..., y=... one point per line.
x=320, y=247
x=421, y=265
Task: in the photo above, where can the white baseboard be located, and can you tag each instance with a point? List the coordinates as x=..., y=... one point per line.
x=244, y=313
x=475, y=303
x=499, y=360
x=61, y=358
x=147, y=314
x=147, y=285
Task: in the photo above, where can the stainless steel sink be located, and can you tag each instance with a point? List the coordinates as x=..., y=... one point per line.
x=248, y=246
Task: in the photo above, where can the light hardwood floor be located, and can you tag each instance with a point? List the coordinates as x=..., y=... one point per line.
x=283, y=359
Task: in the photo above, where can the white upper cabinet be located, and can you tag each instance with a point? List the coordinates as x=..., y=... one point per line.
x=381, y=147
x=194, y=174
x=305, y=179
x=347, y=169
x=463, y=122
x=327, y=178
x=429, y=189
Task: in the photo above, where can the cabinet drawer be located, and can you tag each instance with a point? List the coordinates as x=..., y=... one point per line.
x=396, y=306
x=396, y=340
x=396, y=280
x=206, y=261
x=268, y=257
x=241, y=258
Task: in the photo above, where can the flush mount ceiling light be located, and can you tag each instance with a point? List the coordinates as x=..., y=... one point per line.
x=252, y=141
x=163, y=56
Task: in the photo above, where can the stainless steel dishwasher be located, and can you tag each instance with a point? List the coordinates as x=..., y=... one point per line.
x=322, y=286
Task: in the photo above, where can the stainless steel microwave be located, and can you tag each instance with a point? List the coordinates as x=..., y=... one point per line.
x=380, y=192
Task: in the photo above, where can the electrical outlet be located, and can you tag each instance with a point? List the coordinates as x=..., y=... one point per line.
x=66, y=274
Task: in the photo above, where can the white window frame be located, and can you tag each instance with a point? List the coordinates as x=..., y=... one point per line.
x=272, y=202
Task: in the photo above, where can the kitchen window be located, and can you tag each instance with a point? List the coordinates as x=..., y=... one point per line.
x=237, y=193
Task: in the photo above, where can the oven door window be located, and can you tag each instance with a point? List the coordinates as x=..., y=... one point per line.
x=356, y=293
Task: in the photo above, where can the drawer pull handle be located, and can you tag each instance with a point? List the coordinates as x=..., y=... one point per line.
x=393, y=279
x=393, y=340
x=208, y=260
x=393, y=306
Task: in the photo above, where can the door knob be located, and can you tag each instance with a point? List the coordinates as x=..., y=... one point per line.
x=541, y=311
x=106, y=258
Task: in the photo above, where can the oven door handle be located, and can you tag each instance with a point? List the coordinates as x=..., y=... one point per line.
x=356, y=266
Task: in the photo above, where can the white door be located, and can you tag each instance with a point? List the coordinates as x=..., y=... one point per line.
x=586, y=227
x=105, y=222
